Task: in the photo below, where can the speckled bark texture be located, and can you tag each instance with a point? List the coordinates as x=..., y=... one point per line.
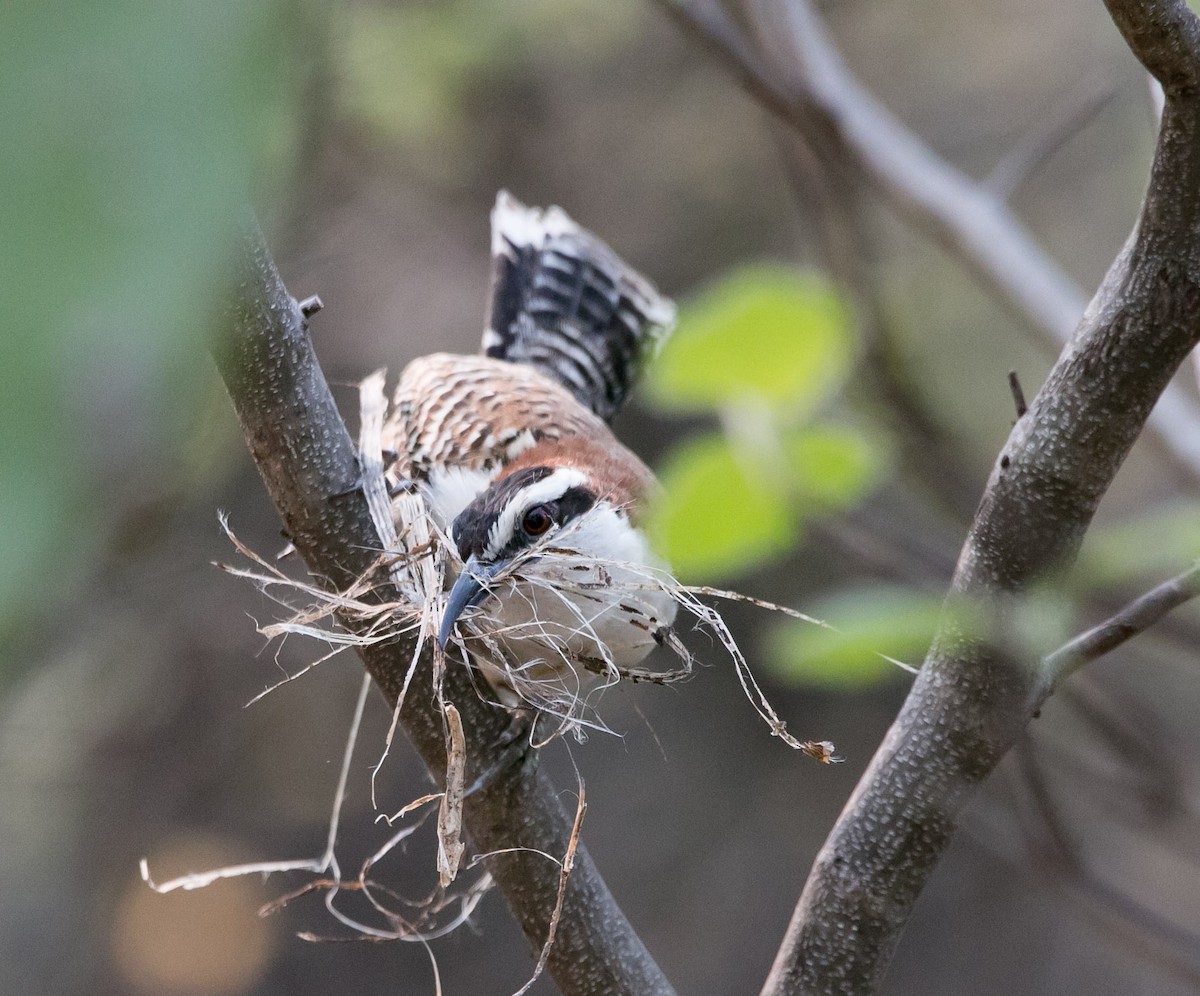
x=309, y=466
x=971, y=700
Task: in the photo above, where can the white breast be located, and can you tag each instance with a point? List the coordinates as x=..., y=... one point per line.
x=601, y=601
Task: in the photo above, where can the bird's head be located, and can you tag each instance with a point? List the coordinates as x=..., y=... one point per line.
x=518, y=513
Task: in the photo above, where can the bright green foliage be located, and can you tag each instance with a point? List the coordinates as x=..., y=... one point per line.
x=720, y=514
x=871, y=624
x=765, y=333
x=764, y=350
x=833, y=466
x=134, y=131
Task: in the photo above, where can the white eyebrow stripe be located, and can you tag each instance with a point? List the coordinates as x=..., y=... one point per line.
x=547, y=489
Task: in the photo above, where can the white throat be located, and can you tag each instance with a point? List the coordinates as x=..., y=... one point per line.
x=598, y=593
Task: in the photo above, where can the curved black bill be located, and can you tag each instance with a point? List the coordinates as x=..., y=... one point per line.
x=469, y=589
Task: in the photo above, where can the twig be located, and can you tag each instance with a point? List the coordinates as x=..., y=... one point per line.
x=1018, y=395
x=812, y=90
x=1040, y=144
x=1165, y=943
x=310, y=469
x=835, y=196
x=1095, y=903
x=1128, y=730
x=1136, y=617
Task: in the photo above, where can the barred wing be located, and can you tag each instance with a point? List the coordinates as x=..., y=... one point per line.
x=565, y=304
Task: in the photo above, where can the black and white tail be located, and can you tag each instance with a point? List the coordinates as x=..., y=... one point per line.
x=565, y=303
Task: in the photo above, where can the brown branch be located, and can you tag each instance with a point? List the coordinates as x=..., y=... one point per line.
x=308, y=464
x=971, y=701
x=1136, y=617
x=808, y=87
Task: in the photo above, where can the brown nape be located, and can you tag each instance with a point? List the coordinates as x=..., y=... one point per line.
x=613, y=472
x=468, y=410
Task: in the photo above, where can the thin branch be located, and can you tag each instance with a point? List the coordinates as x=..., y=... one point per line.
x=1044, y=141
x=1136, y=617
x=971, y=700
x=809, y=87
x=309, y=466
x=1150, y=770
x=834, y=198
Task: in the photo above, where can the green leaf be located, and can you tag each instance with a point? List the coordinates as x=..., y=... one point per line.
x=870, y=622
x=833, y=466
x=717, y=516
x=731, y=504
x=766, y=332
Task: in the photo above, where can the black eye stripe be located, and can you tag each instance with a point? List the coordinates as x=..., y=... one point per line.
x=574, y=502
x=473, y=526
x=472, y=530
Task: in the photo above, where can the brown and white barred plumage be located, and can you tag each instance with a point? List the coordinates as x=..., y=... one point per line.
x=459, y=422
x=488, y=438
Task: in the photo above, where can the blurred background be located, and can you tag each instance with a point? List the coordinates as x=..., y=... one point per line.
x=372, y=137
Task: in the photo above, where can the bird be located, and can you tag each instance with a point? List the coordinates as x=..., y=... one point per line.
x=513, y=454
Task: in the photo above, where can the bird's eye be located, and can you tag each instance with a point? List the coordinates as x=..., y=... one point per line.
x=537, y=520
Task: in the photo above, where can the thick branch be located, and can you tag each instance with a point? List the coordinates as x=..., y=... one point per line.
x=970, y=702
x=308, y=463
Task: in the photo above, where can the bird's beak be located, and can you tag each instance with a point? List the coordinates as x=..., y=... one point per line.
x=469, y=589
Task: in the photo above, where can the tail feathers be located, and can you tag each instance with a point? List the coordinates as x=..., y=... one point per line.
x=564, y=303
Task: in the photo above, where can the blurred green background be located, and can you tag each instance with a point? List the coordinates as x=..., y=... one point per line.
x=372, y=138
